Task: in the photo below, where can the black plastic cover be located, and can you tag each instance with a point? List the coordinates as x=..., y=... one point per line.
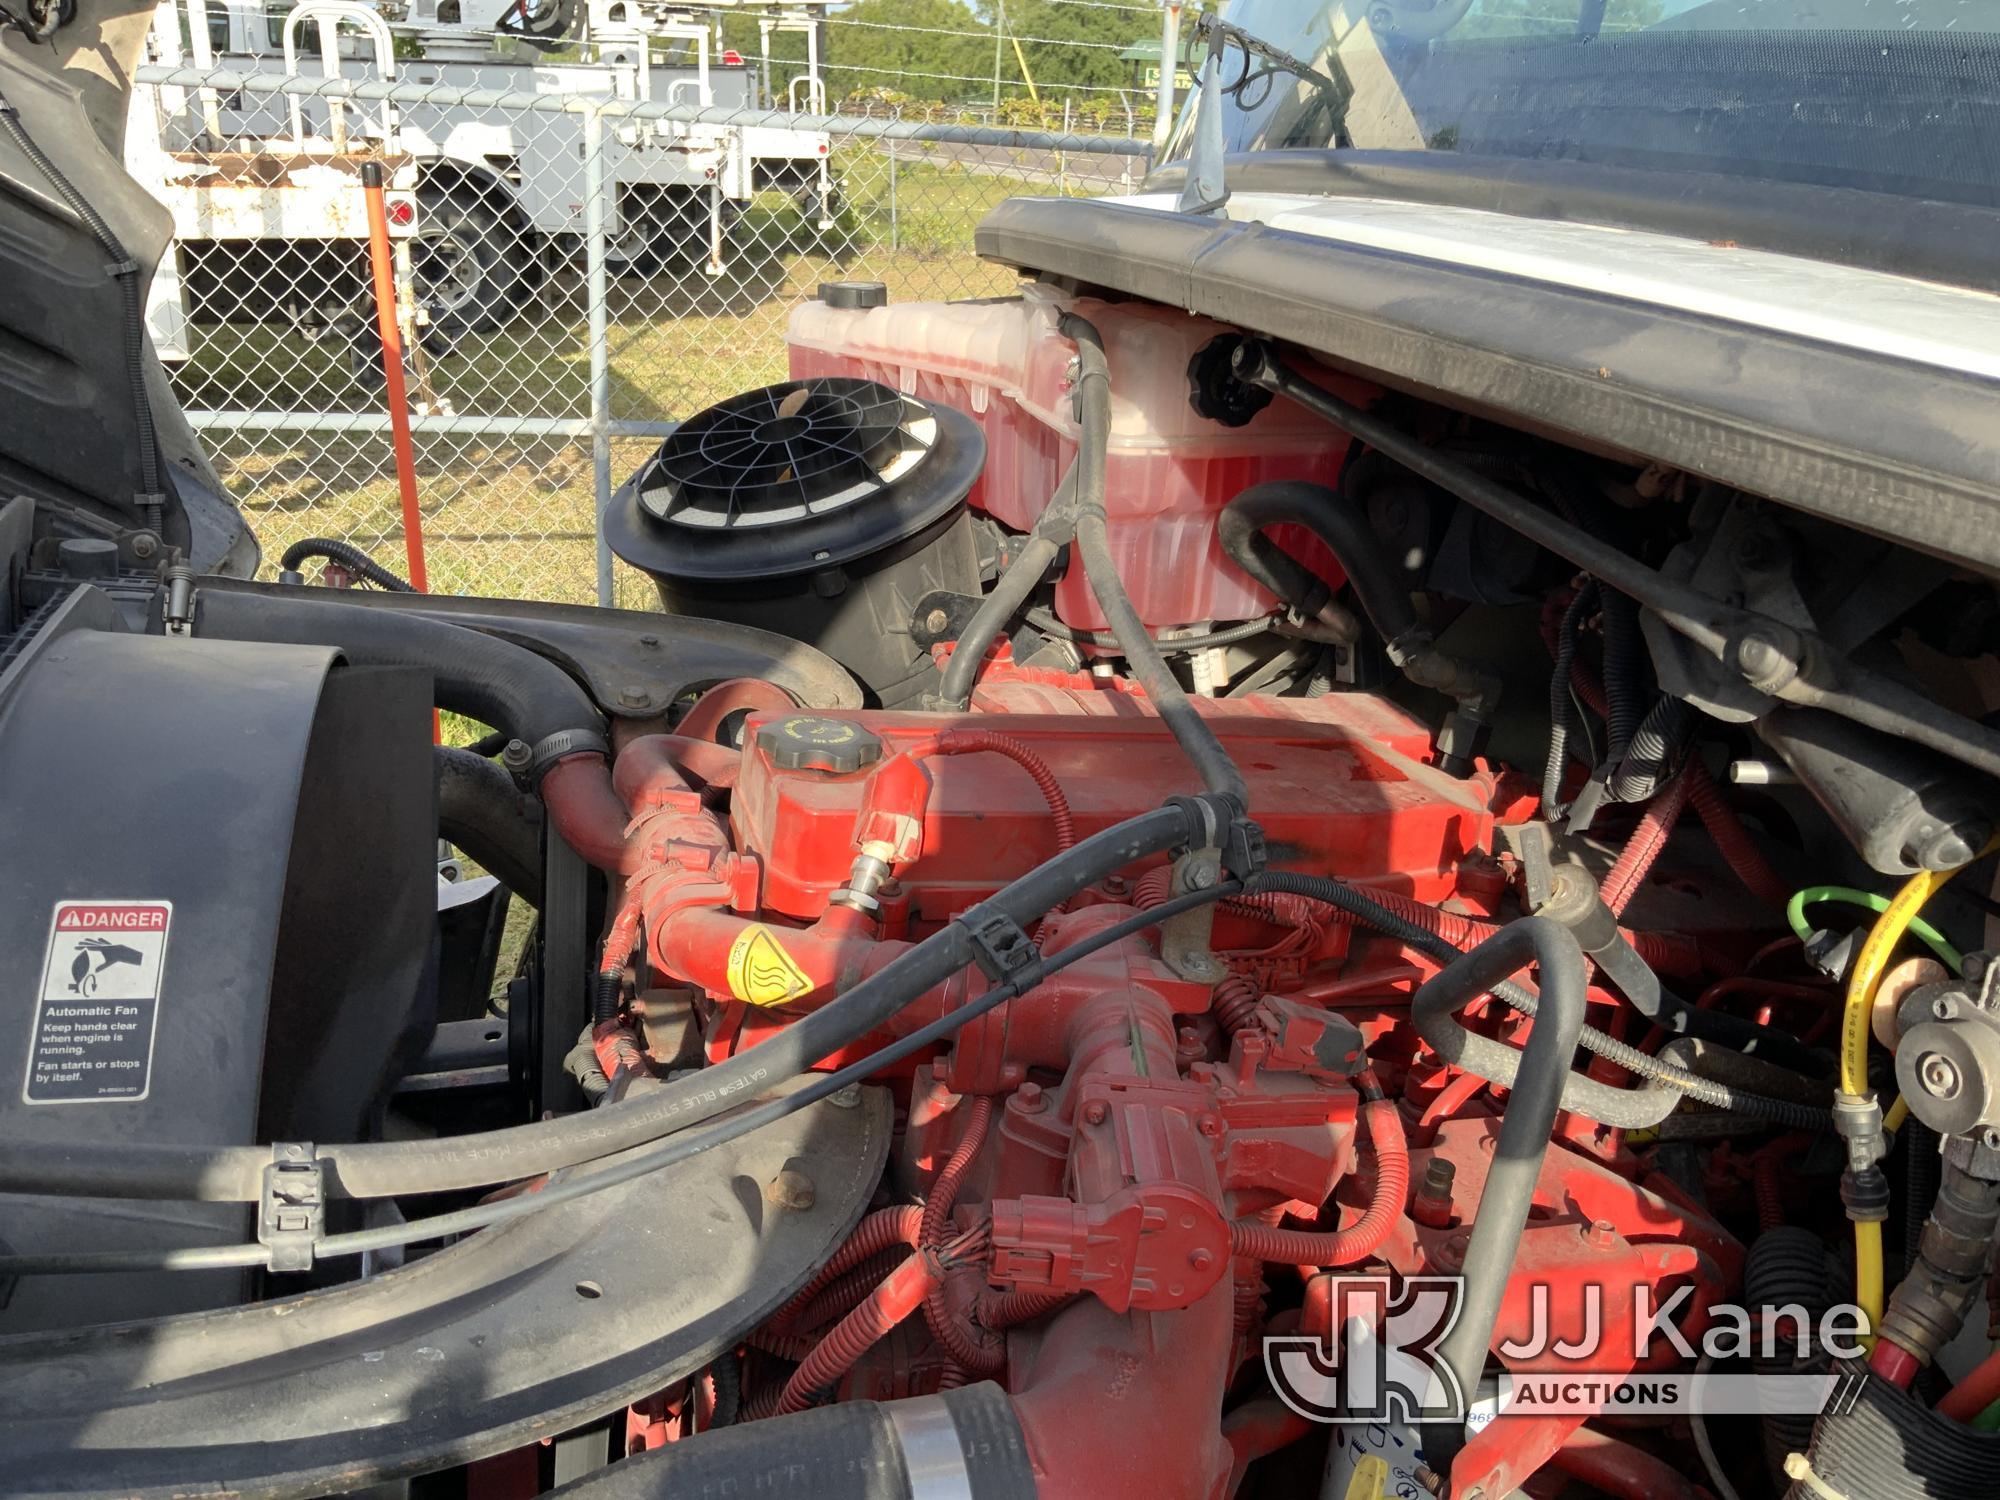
x=853, y=294
x=215, y=919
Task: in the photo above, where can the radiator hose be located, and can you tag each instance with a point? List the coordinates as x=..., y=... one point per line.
x=966, y=1442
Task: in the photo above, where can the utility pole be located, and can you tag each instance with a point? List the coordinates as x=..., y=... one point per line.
x=999, y=35
x=1170, y=46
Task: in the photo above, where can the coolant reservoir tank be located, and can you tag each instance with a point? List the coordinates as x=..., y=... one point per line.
x=1169, y=470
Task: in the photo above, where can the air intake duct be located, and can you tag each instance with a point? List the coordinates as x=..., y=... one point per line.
x=822, y=509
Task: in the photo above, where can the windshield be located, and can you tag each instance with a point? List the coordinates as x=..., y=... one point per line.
x=1898, y=96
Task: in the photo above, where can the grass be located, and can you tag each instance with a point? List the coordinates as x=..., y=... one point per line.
x=515, y=515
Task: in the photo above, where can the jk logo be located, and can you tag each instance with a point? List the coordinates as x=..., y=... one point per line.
x=1380, y=1364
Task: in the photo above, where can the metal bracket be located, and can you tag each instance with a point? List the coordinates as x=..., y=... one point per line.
x=293, y=1208
x=1184, y=937
x=1000, y=947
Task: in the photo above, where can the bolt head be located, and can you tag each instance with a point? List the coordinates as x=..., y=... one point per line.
x=846, y=1098
x=1200, y=1259
x=1028, y=1099
x=790, y=1189
x=634, y=696
x=1096, y=1112
x=1209, y=1125
x=1600, y=1234
x=649, y=640
x=936, y=621
x=145, y=544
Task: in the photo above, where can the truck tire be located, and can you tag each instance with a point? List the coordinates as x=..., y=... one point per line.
x=469, y=262
x=664, y=229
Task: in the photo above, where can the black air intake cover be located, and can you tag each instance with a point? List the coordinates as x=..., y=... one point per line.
x=823, y=509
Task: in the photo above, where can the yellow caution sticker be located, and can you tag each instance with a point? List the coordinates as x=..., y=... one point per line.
x=1370, y=1480
x=761, y=971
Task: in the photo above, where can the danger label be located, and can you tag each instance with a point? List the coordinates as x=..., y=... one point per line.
x=761, y=971
x=99, y=1002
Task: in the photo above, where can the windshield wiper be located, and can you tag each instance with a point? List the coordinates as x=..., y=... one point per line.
x=1205, y=191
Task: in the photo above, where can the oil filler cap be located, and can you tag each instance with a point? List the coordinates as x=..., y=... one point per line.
x=806, y=742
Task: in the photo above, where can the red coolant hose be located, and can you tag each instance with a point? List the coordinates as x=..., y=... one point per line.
x=1359, y=1240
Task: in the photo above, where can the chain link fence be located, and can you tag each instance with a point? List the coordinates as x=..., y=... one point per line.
x=576, y=273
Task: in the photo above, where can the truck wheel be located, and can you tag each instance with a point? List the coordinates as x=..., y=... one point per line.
x=469, y=263
x=663, y=230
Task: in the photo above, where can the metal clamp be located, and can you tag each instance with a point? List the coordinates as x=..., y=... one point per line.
x=1001, y=948
x=292, y=1210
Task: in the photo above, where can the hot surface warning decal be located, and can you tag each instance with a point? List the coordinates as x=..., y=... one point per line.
x=99, y=1003
x=761, y=971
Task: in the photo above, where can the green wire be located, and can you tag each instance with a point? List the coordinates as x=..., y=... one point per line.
x=1795, y=913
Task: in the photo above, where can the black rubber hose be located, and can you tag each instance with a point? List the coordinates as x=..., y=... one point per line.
x=394, y=1168
x=1093, y=540
x=1343, y=526
x=1880, y=1443
x=482, y=812
x=1626, y=1109
x=1786, y=1267
x=1516, y=1168
x=1654, y=750
x=1560, y=693
x=965, y=1442
x=152, y=494
x=1010, y=591
x=484, y=678
x=348, y=556
x=489, y=745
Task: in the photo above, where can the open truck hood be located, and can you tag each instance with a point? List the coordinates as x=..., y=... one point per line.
x=1845, y=391
x=70, y=438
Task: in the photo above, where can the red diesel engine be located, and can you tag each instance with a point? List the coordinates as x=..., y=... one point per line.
x=1110, y=1187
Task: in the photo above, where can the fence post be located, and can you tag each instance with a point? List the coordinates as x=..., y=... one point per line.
x=1062, y=157
x=895, y=230
x=596, y=234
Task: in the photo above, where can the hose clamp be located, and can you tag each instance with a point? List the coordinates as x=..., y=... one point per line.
x=560, y=745
x=1000, y=946
x=292, y=1207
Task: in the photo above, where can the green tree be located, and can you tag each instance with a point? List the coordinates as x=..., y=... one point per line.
x=1074, y=44
x=928, y=49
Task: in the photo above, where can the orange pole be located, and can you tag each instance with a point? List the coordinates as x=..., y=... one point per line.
x=392, y=370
